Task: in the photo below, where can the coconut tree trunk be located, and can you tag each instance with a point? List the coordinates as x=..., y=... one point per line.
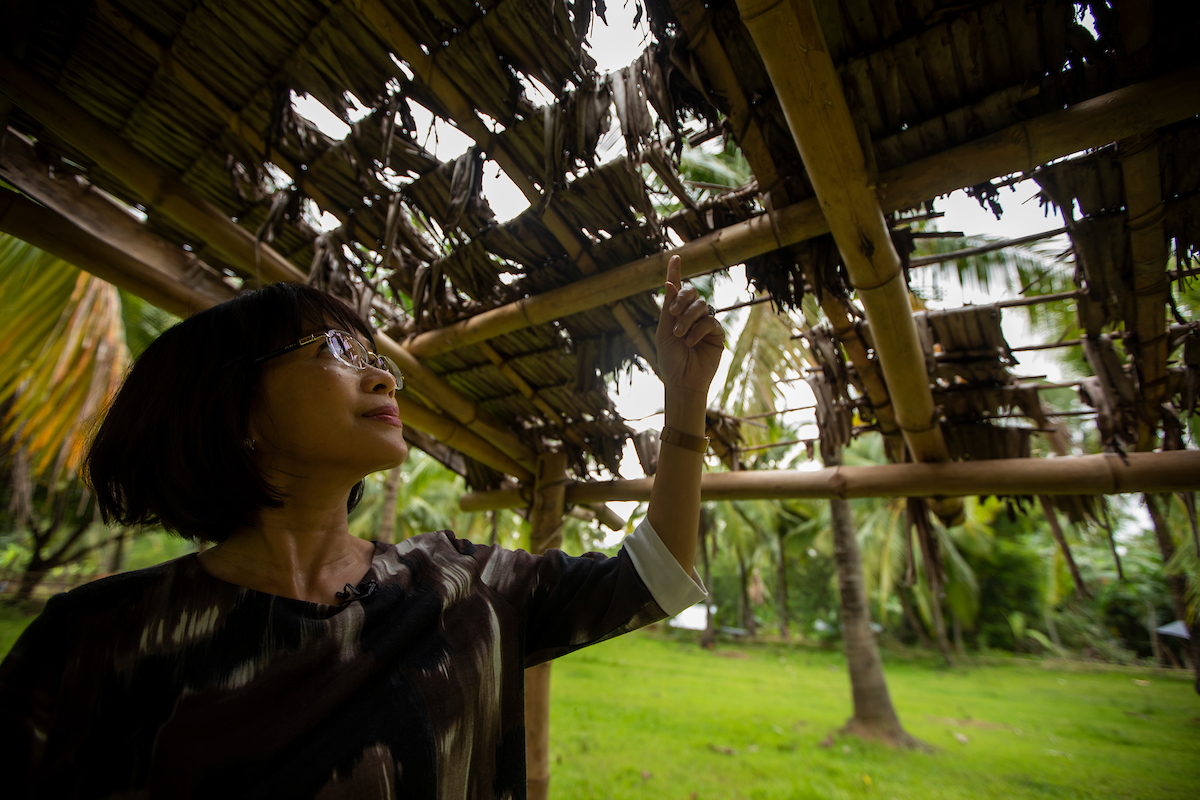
x=1176, y=583
x=783, y=591
x=919, y=517
x=874, y=715
x=914, y=619
x=117, y=558
x=747, y=608
x=387, y=516
x=710, y=634
x=1056, y=530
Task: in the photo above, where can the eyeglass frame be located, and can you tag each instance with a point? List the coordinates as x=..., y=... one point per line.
x=385, y=363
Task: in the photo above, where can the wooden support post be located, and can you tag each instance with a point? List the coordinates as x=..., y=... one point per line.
x=157, y=187
x=1108, y=473
x=1121, y=113
x=545, y=522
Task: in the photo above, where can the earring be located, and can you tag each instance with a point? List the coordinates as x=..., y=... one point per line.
x=248, y=442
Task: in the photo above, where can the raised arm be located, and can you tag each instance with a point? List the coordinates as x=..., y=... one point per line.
x=690, y=341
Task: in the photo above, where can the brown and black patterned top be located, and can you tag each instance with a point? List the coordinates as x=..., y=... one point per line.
x=169, y=683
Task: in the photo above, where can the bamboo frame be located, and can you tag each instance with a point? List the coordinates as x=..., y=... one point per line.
x=1102, y=119
x=1109, y=473
x=157, y=188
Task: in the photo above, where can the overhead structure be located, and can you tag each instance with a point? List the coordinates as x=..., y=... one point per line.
x=160, y=145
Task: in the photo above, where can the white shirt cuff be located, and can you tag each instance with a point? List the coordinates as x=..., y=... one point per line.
x=671, y=587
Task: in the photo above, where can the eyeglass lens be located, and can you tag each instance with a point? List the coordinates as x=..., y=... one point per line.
x=351, y=352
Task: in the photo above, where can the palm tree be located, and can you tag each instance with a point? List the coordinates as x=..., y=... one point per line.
x=65, y=342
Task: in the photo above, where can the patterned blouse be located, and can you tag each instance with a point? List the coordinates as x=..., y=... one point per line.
x=170, y=683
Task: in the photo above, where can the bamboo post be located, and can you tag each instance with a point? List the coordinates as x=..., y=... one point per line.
x=155, y=185
x=1151, y=285
x=545, y=522
x=1107, y=473
x=1103, y=119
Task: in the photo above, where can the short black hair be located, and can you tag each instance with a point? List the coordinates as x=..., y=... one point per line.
x=171, y=449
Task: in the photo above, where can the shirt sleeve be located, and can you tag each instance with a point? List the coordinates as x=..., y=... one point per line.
x=673, y=589
x=568, y=602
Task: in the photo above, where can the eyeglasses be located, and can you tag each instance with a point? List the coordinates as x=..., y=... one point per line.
x=347, y=349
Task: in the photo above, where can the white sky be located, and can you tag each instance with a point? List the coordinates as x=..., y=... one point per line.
x=615, y=46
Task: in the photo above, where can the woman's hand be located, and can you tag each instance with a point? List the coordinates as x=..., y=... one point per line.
x=689, y=339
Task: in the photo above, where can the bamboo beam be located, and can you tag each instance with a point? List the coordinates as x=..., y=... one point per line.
x=1151, y=285
x=1103, y=119
x=789, y=40
x=152, y=259
x=154, y=184
x=459, y=437
x=440, y=394
x=50, y=231
x=1109, y=473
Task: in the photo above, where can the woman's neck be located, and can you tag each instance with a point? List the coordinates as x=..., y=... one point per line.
x=303, y=550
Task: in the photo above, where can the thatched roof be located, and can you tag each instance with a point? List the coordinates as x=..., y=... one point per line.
x=202, y=90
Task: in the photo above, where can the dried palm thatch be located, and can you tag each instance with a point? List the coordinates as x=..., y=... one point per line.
x=200, y=92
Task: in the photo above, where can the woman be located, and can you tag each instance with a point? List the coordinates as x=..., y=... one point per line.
x=293, y=659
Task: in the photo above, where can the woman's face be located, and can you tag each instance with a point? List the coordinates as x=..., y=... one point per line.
x=316, y=417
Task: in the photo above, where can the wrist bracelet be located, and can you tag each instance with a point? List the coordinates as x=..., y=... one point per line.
x=687, y=441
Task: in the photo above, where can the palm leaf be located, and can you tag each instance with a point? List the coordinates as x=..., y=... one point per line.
x=62, y=354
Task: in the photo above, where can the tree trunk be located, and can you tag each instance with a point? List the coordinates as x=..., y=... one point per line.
x=710, y=634
x=1152, y=628
x=387, y=516
x=874, y=715
x=783, y=591
x=1056, y=530
x=914, y=619
x=1176, y=583
x=960, y=646
x=933, y=577
x=118, y=552
x=747, y=608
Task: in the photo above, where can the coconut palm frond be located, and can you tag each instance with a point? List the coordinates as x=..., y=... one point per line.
x=62, y=354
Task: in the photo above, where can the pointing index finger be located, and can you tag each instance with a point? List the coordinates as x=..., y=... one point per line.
x=673, y=272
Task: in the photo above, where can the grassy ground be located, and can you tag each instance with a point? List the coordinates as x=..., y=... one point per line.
x=651, y=716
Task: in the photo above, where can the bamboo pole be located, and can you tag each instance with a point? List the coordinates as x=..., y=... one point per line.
x=459, y=437
x=1102, y=119
x=1151, y=285
x=789, y=39
x=154, y=259
x=545, y=522
x=1170, y=471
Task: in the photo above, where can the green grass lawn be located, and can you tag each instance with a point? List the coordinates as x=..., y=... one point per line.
x=653, y=716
